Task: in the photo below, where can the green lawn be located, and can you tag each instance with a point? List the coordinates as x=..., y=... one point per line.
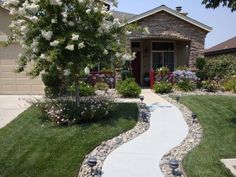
x=217, y=115
x=28, y=149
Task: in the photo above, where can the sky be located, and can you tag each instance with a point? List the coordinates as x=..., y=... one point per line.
x=222, y=20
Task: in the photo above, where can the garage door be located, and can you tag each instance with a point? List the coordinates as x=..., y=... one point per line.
x=12, y=82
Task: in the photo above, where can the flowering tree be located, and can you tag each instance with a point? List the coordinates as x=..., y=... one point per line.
x=66, y=35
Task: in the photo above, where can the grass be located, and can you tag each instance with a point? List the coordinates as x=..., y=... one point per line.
x=29, y=149
x=217, y=115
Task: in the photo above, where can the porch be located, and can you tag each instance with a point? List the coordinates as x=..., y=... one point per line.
x=155, y=53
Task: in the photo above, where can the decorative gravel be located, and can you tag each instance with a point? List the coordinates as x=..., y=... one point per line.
x=103, y=150
x=191, y=141
x=202, y=92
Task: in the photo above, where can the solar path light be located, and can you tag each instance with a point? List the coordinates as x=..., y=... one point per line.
x=177, y=98
x=92, y=161
x=141, y=99
x=174, y=164
x=194, y=116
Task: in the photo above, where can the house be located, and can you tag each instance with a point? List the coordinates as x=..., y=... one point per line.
x=225, y=48
x=174, y=39
x=10, y=81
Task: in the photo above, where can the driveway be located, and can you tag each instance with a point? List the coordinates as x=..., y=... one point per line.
x=11, y=106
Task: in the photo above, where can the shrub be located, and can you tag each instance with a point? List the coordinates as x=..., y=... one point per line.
x=101, y=86
x=51, y=78
x=220, y=67
x=186, y=85
x=163, y=71
x=200, y=63
x=185, y=68
x=66, y=112
x=230, y=84
x=128, y=88
x=53, y=92
x=210, y=86
x=201, y=74
x=185, y=80
x=162, y=87
x=86, y=89
x=125, y=74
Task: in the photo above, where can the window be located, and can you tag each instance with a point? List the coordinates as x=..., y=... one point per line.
x=135, y=44
x=163, y=46
x=163, y=55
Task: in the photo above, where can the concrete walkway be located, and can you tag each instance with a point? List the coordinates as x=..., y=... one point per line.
x=141, y=157
x=11, y=106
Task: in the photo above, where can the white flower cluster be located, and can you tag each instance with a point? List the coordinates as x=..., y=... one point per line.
x=54, y=43
x=128, y=57
x=75, y=37
x=47, y=34
x=56, y=2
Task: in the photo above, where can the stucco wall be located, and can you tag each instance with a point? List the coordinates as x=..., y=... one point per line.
x=166, y=26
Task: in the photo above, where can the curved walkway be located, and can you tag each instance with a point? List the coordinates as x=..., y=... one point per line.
x=141, y=157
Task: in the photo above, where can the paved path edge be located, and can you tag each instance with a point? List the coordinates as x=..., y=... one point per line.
x=192, y=140
x=102, y=151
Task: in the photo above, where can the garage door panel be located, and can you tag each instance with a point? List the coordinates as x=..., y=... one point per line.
x=7, y=62
x=10, y=52
x=12, y=82
x=7, y=75
x=7, y=88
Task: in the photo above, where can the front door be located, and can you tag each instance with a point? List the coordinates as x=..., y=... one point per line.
x=136, y=67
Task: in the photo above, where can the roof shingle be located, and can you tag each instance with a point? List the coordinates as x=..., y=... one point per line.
x=226, y=45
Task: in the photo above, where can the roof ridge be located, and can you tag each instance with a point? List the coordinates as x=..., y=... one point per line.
x=171, y=11
x=124, y=12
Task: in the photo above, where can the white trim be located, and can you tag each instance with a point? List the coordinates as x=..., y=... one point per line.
x=172, y=12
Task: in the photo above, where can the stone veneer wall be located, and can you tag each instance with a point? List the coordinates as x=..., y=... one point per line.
x=166, y=26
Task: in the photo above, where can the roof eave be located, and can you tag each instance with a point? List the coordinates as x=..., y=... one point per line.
x=173, y=12
x=220, y=51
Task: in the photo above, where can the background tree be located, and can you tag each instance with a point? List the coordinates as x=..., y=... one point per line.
x=216, y=3
x=64, y=36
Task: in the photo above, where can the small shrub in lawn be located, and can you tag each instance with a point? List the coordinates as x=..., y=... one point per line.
x=101, y=86
x=230, y=84
x=185, y=80
x=86, y=89
x=162, y=87
x=210, y=86
x=67, y=112
x=128, y=88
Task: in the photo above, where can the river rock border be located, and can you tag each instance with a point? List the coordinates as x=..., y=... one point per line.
x=106, y=147
x=188, y=144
